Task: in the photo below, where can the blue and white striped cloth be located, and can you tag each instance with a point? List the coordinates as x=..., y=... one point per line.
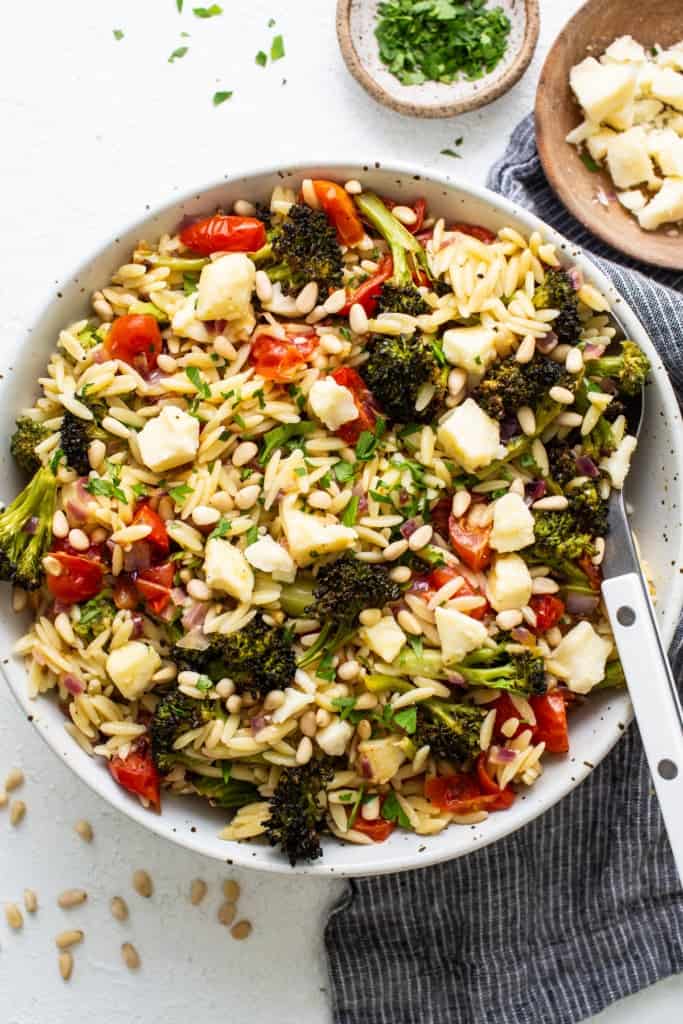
x=579, y=908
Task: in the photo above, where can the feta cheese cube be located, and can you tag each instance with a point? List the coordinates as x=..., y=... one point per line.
x=332, y=403
x=667, y=149
x=309, y=537
x=385, y=638
x=267, y=555
x=379, y=759
x=646, y=110
x=458, y=634
x=333, y=739
x=628, y=160
x=513, y=524
x=472, y=348
x=509, y=583
x=185, y=323
x=602, y=89
x=226, y=569
x=169, y=440
x=131, y=667
x=579, y=659
x=625, y=50
x=470, y=436
x=666, y=206
x=618, y=463
x=622, y=119
x=225, y=287
x=597, y=144
x=632, y=200
x=667, y=85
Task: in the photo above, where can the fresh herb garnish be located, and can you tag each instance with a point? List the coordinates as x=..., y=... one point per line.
x=190, y=283
x=278, y=437
x=343, y=471
x=105, y=489
x=588, y=162
x=350, y=513
x=261, y=59
x=118, y=33
x=179, y=6
x=252, y=535
x=392, y=811
x=55, y=460
x=207, y=12
x=180, y=493
x=203, y=684
x=344, y=705
x=277, y=48
x=198, y=381
x=406, y=718
x=367, y=443
x=451, y=152
x=220, y=97
x=222, y=528
x=326, y=669
x=177, y=54
x=139, y=490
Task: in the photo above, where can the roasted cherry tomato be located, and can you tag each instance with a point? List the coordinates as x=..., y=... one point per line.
x=280, y=359
x=378, y=830
x=367, y=294
x=505, y=710
x=418, y=207
x=349, y=378
x=438, y=578
x=593, y=572
x=125, y=593
x=136, y=339
x=158, y=538
x=154, y=587
x=80, y=578
x=470, y=543
x=340, y=210
x=549, y=610
x=460, y=793
x=505, y=797
x=138, y=774
x=440, y=515
x=551, y=721
x=224, y=233
x=476, y=231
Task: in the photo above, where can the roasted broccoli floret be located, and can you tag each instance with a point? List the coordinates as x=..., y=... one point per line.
x=450, y=730
x=558, y=292
x=558, y=536
x=221, y=793
x=566, y=571
x=399, y=294
x=26, y=437
x=76, y=435
x=175, y=714
x=296, y=816
x=398, y=371
x=590, y=511
x=614, y=676
x=507, y=385
x=258, y=658
x=301, y=248
x=26, y=531
x=562, y=461
x=342, y=590
x=96, y=615
x=488, y=666
x=628, y=369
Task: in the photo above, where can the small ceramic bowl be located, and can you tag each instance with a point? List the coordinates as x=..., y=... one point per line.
x=356, y=21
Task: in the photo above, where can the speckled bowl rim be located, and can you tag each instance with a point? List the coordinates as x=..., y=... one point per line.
x=487, y=95
x=195, y=827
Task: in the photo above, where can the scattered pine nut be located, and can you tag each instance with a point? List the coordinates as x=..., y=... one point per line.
x=231, y=891
x=66, y=965
x=71, y=898
x=131, y=957
x=84, y=830
x=15, y=918
x=30, y=900
x=197, y=891
x=226, y=913
x=14, y=779
x=142, y=883
x=3, y=798
x=119, y=908
x=17, y=812
x=71, y=937
x=241, y=930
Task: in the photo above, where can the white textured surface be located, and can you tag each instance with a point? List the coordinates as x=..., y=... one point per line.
x=94, y=129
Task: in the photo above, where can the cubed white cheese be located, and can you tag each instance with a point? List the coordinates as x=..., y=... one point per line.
x=622, y=119
x=471, y=348
x=509, y=583
x=470, y=436
x=672, y=58
x=385, y=638
x=226, y=569
x=131, y=667
x=295, y=701
x=169, y=440
x=633, y=199
x=618, y=463
x=665, y=207
x=309, y=537
x=628, y=160
x=458, y=634
x=646, y=110
x=667, y=85
x=580, y=657
x=513, y=524
x=225, y=287
x=602, y=89
x=379, y=760
x=266, y=555
x=333, y=738
x=583, y=131
x=332, y=403
x=185, y=323
x=597, y=144
x=667, y=149
x=625, y=50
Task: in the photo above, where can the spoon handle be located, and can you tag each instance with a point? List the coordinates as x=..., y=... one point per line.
x=654, y=696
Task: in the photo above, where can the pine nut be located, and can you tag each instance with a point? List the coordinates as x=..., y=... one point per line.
x=405, y=215
x=517, y=487
x=188, y=678
x=529, y=616
x=307, y=298
x=60, y=524
x=15, y=918
x=198, y=590
x=71, y=937
x=509, y=619
x=322, y=718
x=115, y=427
x=540, y=456
x=408, y=622
x=224, y=347
x=366, y=702
x=332, y=345
x=234, y=704
x=574, y=361
x=420, y=538
x=14, y=779
x=460, y=504
x=96, y=453
x=83, y=828
x=3, y=798
x=119, y=908
x=30, y=901
x=335, y=302
x=358, y=320
x=142, y=883
x=527, y=420
x=79, y=540
x=370, y=616
x=569, y=419
x=244, y=452
x=561, y=395
x=202, y=515
x=364, y=729
x=17, y=812
x=395, y=550
x=264, y=286
x=370, y=809
x=131, y=957
x=553, y=503
x=225, y=688
x=71, y=898
x=197, y=891
x=401, y=574
x=247, y=497
x=275, y=699
x=525, y=352
x=304, y=752
x=167, y=363
x=227, y=913
x=242, y=930
x=457, y=379
x=544, y=585
x=243, y=208
x=599, y=551
x=309, y=195
x=348, y=670
x=66, y=965
x=320, y=499
x=307, y=724
x=353, y=187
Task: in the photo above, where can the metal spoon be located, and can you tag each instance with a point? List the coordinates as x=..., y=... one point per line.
x=651, y=684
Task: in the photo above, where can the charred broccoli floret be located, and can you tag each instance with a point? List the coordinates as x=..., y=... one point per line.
x=558, y=536
x=175, y=714
x=450, y=730
x=488, y=666
x=629, y=368
x=75, y=438
x=230, y=793
x=590, y=511
x=397, y=372
x=96, y=615
x=26, y=531
x=301, y=248
x=342, y=590
x=558, y=292
x=258, y=658
x=296, y=817
x=399, y=294
x=26, y=437
x=562, y=461
x=507, y=385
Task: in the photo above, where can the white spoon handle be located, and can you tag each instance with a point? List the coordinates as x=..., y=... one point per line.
x=653, y=694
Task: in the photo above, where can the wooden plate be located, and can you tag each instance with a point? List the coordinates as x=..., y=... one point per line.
x=589, y=33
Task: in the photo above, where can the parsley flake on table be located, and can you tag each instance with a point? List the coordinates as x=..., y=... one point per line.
x=118, y=33
x=277, y=48
x=207, y=12
x=261, y=59
x=439, y=40
x=177, y=54
x=179, y=6
x=221, y=97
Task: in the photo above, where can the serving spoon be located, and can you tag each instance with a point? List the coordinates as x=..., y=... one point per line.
x=649, y=678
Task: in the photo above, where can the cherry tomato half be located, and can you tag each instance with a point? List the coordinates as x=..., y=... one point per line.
x=224, y=233
x=549, y=610
x=470, y=543
x=505, y=797
x=593, y=572
x=349, y=378
x=146, y=516
x=439, y=578
x=340, y=210
x=551, y=722
x=367, y=294
x=460, y=793
x=154, y=587
x=80, y=578
x=136, y=339
x=476, y=231
x=138, y=774
x=378, y=830
x=280, y=359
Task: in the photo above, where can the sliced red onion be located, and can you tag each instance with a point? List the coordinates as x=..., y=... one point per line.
x=521, y=635
x=259, y=722
x=509, y=428
x=195, y=615
x=408, y=528
x=593, y=351
x=77, y=500
x=419, y=587
x=534, y=491
x=365, y=768
x=547, y=343
x=359, y=493
x=586, y=467
x=575, y=275
x=138, y=558
x=138, y=624
x=581, y=604
x=73, y=684
x=31, y=525
x=155, y=377
x=501, y=755
x=178, y=596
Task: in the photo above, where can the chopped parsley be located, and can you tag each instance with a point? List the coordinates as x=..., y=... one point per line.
x=343, y=471
x=280, y=436
x=252, y=535
x=392, y=811
x=190, y=282
x=406, y=718
x=179, y=6
x=203, y=684
x=367, y=443
x=139, y=490
x=261, y=59
x=118, y=33
x=207, y=12
x=177, y=54
x=350, y=513
x=451, y=152
x=180, y=493
x=277, y=48
x=198, y=381
x=55, y=460
x=218, y=98
x=326, y=669
x=222, y=528
x=588, y=162
x=105, y=489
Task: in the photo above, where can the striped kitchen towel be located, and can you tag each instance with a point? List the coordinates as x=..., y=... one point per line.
x=582, y=906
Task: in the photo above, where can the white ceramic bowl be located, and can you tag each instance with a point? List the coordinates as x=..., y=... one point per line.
x=655, y=491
